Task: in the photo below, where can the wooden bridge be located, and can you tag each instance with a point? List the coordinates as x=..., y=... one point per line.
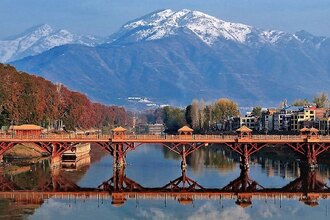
x=308, y=143
x=119, y=188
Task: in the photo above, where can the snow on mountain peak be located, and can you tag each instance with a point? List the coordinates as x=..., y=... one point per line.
x=38, y=39
x=167, y=22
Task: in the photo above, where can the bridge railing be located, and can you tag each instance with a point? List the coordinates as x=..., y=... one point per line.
x=180, y=137
x=324, y=137
x=276, y=137
x=56, y=137
x=73, y=136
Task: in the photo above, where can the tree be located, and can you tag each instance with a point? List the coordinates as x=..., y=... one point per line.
x=321, y=99
x=174, y=119
x=26, y=98
x=223, y=109
x=256, y=111
x=194, y=115
x=188, y=115
x=300, y=102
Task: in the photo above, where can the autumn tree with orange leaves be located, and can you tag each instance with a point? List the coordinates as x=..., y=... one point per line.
x=30, y=99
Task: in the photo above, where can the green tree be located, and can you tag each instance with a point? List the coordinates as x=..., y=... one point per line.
x=321, y=99
x=174, y=118
x=300, y=102
x=256, y=111
x=188, y=115
x=4, y=118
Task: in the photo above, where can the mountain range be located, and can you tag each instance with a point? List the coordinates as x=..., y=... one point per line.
x=176, y=56
x=39, y=39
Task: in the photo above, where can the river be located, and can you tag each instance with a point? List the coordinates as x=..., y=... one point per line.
x=151, y=167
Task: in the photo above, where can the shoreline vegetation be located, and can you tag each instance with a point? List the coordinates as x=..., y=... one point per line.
x=28, y=99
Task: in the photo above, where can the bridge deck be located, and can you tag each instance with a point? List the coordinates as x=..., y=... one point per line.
x=21, y=195
x=271, y=139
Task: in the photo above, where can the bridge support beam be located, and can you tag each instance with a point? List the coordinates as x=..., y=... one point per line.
x=245, y=150
x=119, y=159
x=244, y=158
x=311, y=156
x=56, y=161
x=1, y=158
x=184, y=161
x=309, y=151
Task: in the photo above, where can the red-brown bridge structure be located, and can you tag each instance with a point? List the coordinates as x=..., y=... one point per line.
x=308, y=143
x=119, y=188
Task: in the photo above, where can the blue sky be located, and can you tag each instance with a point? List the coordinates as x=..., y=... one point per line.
x=103, y=17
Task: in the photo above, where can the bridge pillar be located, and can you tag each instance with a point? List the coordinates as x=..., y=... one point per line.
x=311, y=156
x=184, y=161
x=55, y=158
x=1, y=158
x=244, y=158
x=56, y=161
x=119, y=156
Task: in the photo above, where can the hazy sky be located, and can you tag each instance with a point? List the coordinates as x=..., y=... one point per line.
x=103, y=17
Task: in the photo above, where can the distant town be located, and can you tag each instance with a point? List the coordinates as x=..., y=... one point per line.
x=223, y=117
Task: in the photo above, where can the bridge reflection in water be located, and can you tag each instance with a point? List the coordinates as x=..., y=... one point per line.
x=119, y=188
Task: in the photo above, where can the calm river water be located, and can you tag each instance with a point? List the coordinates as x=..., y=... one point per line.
x=151, y=166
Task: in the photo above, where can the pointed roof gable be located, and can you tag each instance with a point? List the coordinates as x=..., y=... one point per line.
x=244, y=129
x=314, y=130
x=304, y=129
x=185, y=129
x=119, y=129
x=244, y=204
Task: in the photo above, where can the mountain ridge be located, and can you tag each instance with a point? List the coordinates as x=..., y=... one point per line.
x=38, y=39
x=177, y=66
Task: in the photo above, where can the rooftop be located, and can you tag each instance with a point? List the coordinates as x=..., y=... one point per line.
x=26, y=127
x=185, y=129
x=119, y=129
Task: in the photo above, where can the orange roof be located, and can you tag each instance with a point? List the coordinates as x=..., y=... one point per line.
x=28, y=127
x=186, y=128
x=313, y=129
x=244, y=204
x=120, y=129
x=117, y=203
x=185, y=201
x=304, y=129
x=244, y=129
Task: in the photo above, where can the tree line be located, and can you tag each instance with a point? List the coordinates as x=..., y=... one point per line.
x=30, y=99
x=200, y=116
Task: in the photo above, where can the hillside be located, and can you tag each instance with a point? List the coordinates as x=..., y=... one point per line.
x=27, y=98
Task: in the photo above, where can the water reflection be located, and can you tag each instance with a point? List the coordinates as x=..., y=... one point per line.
x=40, y=191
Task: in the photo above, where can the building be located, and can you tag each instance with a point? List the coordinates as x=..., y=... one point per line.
x=281, y=121
x=149, y=129
x=26, y=130
x=303, y=118
x=249, y=121
x=267, y=120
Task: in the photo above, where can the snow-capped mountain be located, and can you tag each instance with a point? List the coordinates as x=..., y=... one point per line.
x=178, y=56
x=209, y=29
x=167, y=22
x=39, y=39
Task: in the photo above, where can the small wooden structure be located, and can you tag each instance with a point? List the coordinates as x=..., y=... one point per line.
x=304, y=132
x=244, y=200
x=185, y=131
x=309, y=132
x=244, y=132
x=118, y=132
x=313, y=133
x=26, y=130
